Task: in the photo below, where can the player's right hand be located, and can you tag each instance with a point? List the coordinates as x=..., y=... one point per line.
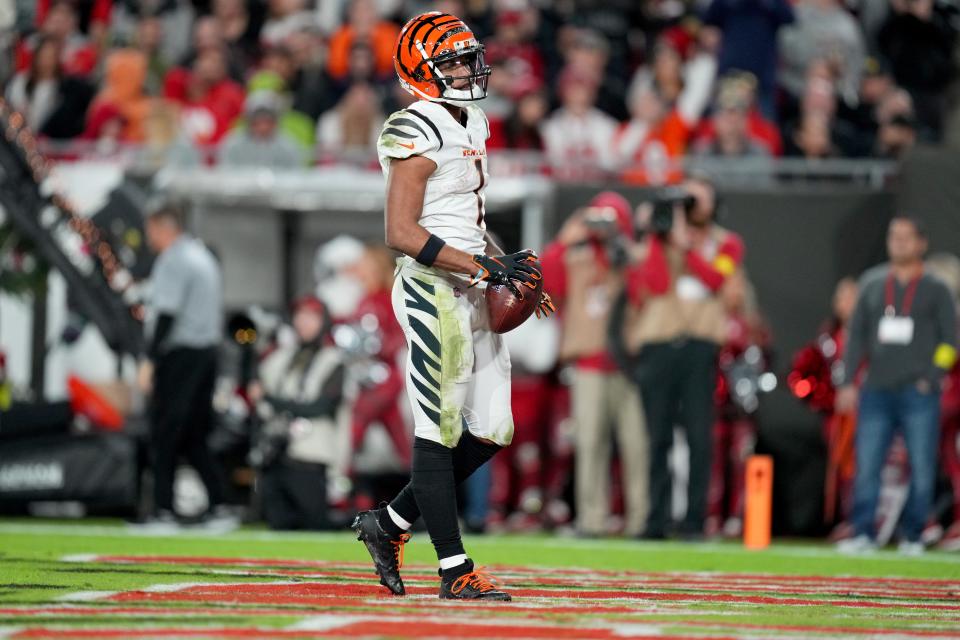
x=522, y=267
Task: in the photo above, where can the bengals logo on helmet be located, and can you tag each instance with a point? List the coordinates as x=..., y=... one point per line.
x=429, y=48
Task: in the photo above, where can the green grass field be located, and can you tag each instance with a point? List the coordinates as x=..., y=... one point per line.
x=100, y=580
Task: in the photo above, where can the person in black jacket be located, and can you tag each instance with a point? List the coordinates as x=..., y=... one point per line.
x=54, y=104
x=918, y=40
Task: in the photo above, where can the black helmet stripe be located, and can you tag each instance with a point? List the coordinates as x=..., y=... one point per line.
x=411, y=32
x=431, y=25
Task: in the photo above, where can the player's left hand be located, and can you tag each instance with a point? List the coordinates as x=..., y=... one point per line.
x=545, y=307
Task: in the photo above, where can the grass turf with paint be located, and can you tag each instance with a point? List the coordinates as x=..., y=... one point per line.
x=100, y=580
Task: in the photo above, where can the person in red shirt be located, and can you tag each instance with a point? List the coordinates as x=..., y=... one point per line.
x=379, y=398
x=59, y=21
x=583, y=271
x=812, y=380
x=209, y=100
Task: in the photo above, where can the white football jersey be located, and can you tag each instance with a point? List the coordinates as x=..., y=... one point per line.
x=453, y=204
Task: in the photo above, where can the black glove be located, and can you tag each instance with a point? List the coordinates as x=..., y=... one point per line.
x=522, y=267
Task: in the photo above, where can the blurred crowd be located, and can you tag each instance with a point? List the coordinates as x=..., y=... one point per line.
x=615, y=87
x=636, y=407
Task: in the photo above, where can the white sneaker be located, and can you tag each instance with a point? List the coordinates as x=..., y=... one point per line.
x=220, y=520
x=907, y=548
x=857, y=545
x=161, y=523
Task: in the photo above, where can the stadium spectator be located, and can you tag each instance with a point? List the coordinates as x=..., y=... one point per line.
x=208, y=36
x=238, y=29
x=816, y=131
x=364, y=25
x=185, y=330
x=666, y=103
x=679, y=330
x=284, y=17
x=731, y=133
x=521, y=128
x=650, y=147
x=583, y=271
x=811, y=139
x=740, y=88
x=176, y=24
x=904, y=328
x=298, y=394
x=588, y=54
x=260, y=141
x=353, y=125
x=749, y=42
x=918, y=40
x=684, y=86
x=578, y=137
x=512, y=46
x=297, y=126
x=209, y=100
x=311, y=85
x=876, y=85
x=505, y=83
x=149, y=41
x=52, y=101
x=823, y=29
x=122, y=91
x=78, y=56
x=896, y=133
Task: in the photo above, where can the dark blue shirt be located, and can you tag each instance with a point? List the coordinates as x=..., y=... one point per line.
x=749, y=35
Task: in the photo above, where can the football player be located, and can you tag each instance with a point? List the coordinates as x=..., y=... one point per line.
x=433, y=155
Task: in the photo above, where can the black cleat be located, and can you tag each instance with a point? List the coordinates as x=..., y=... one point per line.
x=387, y=552
x=472, y=585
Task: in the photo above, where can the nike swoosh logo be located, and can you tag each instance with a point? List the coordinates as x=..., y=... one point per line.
x=408, y=145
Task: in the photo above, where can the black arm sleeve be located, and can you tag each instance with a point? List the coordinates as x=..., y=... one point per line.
x=160, y=333
x=323, y=407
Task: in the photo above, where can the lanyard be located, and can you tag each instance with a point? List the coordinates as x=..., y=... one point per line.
x=889, y=308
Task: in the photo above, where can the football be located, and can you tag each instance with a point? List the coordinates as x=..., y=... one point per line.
x=508, y=311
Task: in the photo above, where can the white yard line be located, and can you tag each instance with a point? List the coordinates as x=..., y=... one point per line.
x=86, y=596
x=326, y=622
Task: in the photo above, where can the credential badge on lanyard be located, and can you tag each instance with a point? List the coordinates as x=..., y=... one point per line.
x=897, y=328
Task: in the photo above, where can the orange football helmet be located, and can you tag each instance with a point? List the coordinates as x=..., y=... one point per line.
x=429, y=41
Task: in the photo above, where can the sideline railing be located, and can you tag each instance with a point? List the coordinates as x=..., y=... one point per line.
x=145, y=160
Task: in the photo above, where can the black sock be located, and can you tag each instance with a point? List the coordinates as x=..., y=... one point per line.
x=469, y=455
x=461, y=569
x=435, y=491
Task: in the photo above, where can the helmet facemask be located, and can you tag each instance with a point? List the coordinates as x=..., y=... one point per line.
x=476, y=80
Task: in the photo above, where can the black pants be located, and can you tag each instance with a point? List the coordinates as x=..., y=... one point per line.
x=677, y=380
x=181, y=416
x=294, y=495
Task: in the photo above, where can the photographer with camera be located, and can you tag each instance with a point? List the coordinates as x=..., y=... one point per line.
x=298, y=396
x=678, y=333
x=584, y=273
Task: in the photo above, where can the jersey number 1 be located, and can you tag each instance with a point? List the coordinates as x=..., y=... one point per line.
x=479, y=165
